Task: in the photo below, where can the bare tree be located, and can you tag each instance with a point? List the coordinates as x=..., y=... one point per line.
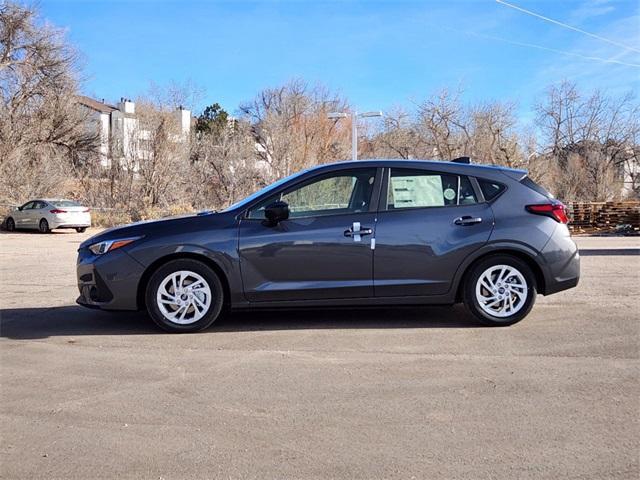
x=397, y=138
x=224, y=167
x=495, y=139
x=444, y=125
x=591, y=141
x=42, y=131
x=486, y=132
x=292, y=130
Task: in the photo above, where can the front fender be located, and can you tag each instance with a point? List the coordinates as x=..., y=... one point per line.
x=219, y=253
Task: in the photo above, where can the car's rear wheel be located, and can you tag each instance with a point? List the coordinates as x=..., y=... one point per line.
x=184, y=295
x=10, y=224
x=500, y=290
x=81, y=229
x=43, y=226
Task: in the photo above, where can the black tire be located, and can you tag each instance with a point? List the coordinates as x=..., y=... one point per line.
x=43, y=226
x=212, y=281
x=81, y=229
x=472, y=303
x=10, y=224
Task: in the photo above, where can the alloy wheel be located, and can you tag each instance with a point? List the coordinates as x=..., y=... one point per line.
x=501, y=291
x=183, y=297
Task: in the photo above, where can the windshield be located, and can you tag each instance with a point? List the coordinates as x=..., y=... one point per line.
x=261, y=192
x=64, y=203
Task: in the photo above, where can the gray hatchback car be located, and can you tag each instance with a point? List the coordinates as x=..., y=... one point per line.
x=375, y=232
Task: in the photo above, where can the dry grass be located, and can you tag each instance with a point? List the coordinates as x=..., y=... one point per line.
x=115, y=217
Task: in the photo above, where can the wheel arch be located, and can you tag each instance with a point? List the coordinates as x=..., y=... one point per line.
x=144, y=279
x=516, y=252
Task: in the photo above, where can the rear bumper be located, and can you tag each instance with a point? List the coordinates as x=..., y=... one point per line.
x=109, y=281
x=72, y=225
x=559, y=286
x=70, y=221
x=561, y=262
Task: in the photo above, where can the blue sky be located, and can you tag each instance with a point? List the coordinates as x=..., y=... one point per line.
x=379, y=54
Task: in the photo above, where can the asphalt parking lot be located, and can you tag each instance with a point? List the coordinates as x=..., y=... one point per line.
x=384, y=393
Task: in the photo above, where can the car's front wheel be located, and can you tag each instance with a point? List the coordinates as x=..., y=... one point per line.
x=184, y=295
x=11, y=224
x=500, y=290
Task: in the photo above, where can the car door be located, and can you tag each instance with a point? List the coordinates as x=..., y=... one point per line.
x=323, y=250
x=36, y=214
x=427, y=225
x=23, y=215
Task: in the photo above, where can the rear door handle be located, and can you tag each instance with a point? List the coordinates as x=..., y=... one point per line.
x=467, y=220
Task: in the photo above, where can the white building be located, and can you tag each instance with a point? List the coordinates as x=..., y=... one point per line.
x=630, y=176
x=120, y=132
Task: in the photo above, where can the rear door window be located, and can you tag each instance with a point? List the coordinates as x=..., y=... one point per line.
x=409, y=188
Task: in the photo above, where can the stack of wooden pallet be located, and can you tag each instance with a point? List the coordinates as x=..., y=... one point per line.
x=604, y=217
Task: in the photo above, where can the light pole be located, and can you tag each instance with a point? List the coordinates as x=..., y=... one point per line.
x=354, y=126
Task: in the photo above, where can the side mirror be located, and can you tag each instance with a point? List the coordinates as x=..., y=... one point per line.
x=276, y=212
x=19, y=209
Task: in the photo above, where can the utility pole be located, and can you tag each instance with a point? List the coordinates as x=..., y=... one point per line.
x=354, y=126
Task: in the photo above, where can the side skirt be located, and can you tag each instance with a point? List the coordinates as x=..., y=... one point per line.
x=351, y=302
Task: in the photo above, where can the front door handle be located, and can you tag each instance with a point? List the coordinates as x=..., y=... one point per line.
x=364, y=231
x=356, y=231
x=467, y=220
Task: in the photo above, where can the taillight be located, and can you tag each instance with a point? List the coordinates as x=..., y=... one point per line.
x=555, y=210
x=86, y=210
x=56, y=210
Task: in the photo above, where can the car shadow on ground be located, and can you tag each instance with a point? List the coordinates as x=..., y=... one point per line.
x=35, y=323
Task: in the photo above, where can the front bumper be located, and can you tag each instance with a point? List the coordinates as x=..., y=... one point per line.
x=108, y=281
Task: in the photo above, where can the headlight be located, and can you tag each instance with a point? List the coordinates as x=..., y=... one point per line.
x=105, y=246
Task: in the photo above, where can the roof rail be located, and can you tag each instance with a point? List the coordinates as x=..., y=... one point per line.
x=466, y=160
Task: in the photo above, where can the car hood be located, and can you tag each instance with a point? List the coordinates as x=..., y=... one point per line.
x=145, y=227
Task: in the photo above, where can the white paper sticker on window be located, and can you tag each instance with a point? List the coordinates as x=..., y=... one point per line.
x=417, y=191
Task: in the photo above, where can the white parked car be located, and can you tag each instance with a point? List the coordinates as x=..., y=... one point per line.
x=47, y=214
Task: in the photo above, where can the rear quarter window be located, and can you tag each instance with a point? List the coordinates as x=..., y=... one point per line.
x=490, y=189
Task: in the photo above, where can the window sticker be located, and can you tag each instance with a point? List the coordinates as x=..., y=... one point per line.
x=417, y=191
x=449, y=194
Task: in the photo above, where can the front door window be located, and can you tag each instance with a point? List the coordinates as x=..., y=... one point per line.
x=347, y=191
